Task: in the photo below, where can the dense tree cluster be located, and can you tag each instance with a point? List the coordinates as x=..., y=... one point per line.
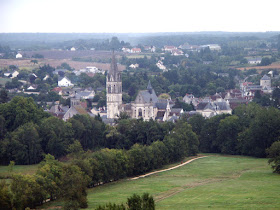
x=134, y=202
x=27, y=133
x=68, y=181
x=249, y=131
x=53, y=180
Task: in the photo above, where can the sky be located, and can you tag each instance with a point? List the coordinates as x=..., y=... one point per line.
x=138, y=16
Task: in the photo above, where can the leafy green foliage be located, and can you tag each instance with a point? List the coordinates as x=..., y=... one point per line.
x=134, y=202
x=274, y=154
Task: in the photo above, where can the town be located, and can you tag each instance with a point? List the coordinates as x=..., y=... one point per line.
x=90, y=122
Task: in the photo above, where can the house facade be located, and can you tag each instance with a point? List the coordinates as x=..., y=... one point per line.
x=64, y=82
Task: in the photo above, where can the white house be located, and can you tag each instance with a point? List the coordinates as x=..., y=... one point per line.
x=161, y=66
x=169, y=48
x=177, y=52
x=135, y=50
x=134, y=66
x=64, y=82
x=12, y=74
x=73, y=49
x=18, y=55
x=254, y=60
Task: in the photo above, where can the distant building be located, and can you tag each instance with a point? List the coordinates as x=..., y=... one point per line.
x=168, y=48
x=18, y=55
x=265, y=82
x=135, y=50
x=210, y=109
x=161, y=66
x=134, y=66
x=125, y=49
x=75, y=109
x=12, y=74
x=73, y=49
x=64, y=82
x=177, y=52
x=256, y=60
x=213, y=47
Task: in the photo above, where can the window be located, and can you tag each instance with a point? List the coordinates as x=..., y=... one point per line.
x=140, y=113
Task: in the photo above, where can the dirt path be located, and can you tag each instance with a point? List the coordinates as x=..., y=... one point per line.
x=168, y=169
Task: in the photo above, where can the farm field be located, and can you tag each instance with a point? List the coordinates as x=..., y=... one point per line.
x=55, y=58
x=216, y=182
x=26, y=64
x=275, y=65
x=22, y=169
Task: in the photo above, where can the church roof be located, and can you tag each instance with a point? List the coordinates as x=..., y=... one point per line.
x=113, y=71
x=265, y=77
x=148, y=97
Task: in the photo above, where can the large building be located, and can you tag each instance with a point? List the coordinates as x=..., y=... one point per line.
x=114, y=90
x=146, y=105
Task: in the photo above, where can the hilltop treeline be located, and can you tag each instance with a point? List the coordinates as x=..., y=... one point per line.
x=27, y=132
x=249, y=131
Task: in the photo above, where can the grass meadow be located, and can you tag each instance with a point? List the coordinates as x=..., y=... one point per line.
x=218, y=182
x=215, y=181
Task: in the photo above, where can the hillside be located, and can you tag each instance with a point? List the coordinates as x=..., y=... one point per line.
x=216, y=182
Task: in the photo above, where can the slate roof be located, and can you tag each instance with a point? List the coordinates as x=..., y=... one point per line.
x=161, y=104
x=222, y=105
x=265, y=77
x=60, y=78
x=148, y=97
x=201, y=105
x=176, y=110
x=83, y=94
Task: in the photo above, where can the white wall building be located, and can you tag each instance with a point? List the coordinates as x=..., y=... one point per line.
x=64, y=82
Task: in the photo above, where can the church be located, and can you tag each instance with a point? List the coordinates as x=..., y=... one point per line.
x=146, y=105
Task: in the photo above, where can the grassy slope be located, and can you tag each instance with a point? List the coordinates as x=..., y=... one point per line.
x=211, y=182
x=23, y=169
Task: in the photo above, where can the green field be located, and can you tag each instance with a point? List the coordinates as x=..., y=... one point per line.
x=23, y=169
x=216, y=182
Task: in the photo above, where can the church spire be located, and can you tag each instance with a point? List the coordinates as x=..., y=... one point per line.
x=114, y=66
x=149, y=87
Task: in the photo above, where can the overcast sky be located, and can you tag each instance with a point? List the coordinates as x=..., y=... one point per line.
x=138, y=15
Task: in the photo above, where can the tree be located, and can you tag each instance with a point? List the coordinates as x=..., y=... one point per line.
x=181, y=142
x=23, y=145
x=243, y=61
x=227, y=134
x=115, y=43
x=34, y=61
x=209, y=134
x=26, y=192
x=265, y=61
x=136, y=202
x=21, y=110
x=73, y=187
x=273, y=152
x=49, y=176
x=89, y=131
x=3, y=96
x=56, y=136
x=262, y=131
x=276, y=98
x=5, y=196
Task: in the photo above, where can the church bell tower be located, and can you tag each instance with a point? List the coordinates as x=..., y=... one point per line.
x=114, y=90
